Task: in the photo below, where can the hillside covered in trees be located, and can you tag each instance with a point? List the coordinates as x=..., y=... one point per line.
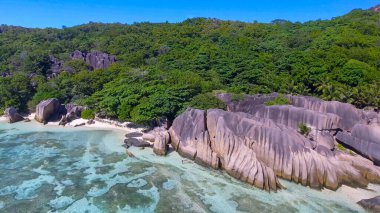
x=163, y=68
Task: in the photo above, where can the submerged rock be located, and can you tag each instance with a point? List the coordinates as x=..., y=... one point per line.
x=133, y=134
x=372, y=204
x=12, y=114
x=47, y=110
x=136, y=142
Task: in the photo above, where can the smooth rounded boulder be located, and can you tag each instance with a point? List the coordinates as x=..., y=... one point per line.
x=12, y=114
x=47, y=110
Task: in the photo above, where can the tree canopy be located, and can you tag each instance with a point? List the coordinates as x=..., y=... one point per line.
x=163, y=68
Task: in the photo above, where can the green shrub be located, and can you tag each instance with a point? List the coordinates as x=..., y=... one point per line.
x=280, y=100
x=303, y=129
x=88, y=114
x=237, y=97
x=206, y=101
x=341, y=147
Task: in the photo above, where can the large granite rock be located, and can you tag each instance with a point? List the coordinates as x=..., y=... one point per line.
x=372, y=204
x=350, y=115
x=258, y=150
x=47, y=110
x=249, y=104
x=317, y=109
x=96, y=59
x=12, y=114
x=160, y=145
x=364, y=139
x=292, y=116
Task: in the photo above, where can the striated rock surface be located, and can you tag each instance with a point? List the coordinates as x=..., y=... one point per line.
x=364, y=139
x=316, y=109
x=47, y=110
x=372, y=204
x=257, y=151
x=292, y=116
x=349, y=115
x=12, y=114
x=96, y=59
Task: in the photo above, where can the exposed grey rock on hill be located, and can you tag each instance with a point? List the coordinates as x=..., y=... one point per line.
x=96, y=59
x=375, y=8
x=47, y=110
x=12, y=114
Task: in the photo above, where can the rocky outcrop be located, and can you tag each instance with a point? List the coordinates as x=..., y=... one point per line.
x=135, y=142
x=292, y=116
x=349, y=115
x=160, y=138
x=12, y=114
x=47, y=110
x=96, y=59
x=160, y=145
x=364, y=139
x=375, y=8
x=306, y=108
x=258, y=151
x=248, y=103
x=372, y=204
x=71, y=112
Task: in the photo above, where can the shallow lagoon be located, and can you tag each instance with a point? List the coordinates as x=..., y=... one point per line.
x=56, y=169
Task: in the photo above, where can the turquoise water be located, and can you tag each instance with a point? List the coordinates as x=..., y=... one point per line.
x=56, y=169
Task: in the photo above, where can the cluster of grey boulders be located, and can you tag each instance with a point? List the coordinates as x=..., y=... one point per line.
x=259, y=144
x=49, y=110
x=94, y=59
x=52, y=110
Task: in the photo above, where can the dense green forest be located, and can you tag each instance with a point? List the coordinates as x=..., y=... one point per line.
x=163, y=68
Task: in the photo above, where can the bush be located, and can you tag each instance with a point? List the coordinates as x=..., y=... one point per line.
x=237, y=97
x=88, y=114
x=341, y=147
x=303, y=129
x=205, y=102
x=280, y=100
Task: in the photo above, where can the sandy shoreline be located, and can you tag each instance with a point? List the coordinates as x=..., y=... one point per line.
x=101, y=124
